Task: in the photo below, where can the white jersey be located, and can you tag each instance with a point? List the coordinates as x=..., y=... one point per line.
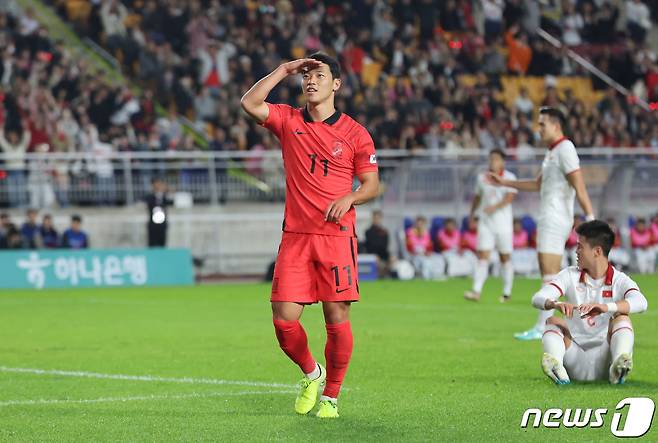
x=557, y=195
x=492, y=195
x=577, y=287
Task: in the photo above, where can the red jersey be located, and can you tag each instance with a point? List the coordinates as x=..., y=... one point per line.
x=321, y=160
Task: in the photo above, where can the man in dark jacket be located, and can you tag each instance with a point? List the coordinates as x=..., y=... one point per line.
x=157, y=203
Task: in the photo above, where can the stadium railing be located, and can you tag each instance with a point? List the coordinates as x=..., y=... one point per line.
x=122, y=178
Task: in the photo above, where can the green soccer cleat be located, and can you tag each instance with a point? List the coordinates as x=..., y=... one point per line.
x=530, y=334
x=308, y=392
x=328, y=409
x=620, y=368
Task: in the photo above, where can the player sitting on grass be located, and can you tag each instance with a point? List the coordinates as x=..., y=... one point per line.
x=595, y=339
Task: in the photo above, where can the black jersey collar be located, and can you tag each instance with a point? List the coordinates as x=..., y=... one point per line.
x=331, y=120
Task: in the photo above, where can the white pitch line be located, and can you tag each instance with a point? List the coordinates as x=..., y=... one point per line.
x=136, y=398
x=148, y=378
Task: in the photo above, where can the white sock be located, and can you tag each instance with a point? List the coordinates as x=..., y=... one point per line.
x=508, y=277
x=553, y=342
x=480, y=275
x=331, y=399
x=622, y=338
x=315, y=373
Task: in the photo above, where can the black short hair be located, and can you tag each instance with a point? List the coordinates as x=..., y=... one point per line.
x=333, y=64
x=598, y=233
x=499, y=152
x=76, y=218
x=555, y=114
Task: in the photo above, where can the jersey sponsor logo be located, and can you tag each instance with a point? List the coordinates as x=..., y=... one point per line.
x=373, y=159
x=632, y=417
x=607, y=294
x=337, y=150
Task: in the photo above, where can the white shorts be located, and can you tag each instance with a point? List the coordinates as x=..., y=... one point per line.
x=498, y=238
x=551, y=238
x=588, y=365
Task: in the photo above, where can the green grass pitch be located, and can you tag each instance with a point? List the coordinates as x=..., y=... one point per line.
x=427, y=366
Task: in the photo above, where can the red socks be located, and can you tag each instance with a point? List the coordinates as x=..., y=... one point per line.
x=292, y=339
x=337, y=352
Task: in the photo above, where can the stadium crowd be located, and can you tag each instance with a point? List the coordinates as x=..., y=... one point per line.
x=403, y=63
x=404, y=66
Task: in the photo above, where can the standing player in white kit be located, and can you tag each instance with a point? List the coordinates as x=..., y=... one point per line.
x=495, y=226
x=560, y=182
x=595, y=339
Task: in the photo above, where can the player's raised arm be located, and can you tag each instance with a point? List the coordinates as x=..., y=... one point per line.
x=521, y=185
x=253, y=102
x=576, y=180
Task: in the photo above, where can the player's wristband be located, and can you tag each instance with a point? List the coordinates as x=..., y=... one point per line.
x=590, y=217
x=612, y=307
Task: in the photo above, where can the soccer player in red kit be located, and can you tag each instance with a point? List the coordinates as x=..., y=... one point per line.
x=323, y=150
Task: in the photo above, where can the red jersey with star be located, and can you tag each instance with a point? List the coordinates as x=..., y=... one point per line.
x=321, y=160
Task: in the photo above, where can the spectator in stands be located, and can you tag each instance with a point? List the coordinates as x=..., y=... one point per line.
x=618, y=255
x=654, y=227
x=638, y=20
x=524, y=257
x=30, y=231
x=493, y=17
x=421, y=249
x=449, y=238
x=643, y=243
x=470, y=235
x=523, y=103
x=572, y=24
x=49, y=236
x=459, y=262
x=5, y=222
x=521, y=239
x=15, y=148
x=520, y=53
x=13, y=238
x=74, y=237
x=113, y=16
x=377, y=243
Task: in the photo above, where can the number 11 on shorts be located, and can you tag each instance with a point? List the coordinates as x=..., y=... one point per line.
x=348, y=271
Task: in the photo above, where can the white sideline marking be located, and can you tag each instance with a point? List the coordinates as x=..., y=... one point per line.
x=137, y=398
x=150, y=378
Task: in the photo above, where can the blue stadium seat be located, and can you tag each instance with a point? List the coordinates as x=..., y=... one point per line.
x=631, y=221
x=408, y=222
x=464, y=226
x=436, y=226
x=528, y=223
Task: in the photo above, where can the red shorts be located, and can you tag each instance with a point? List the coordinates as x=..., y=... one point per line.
x=311, y=268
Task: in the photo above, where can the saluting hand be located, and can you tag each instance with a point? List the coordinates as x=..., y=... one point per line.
x=297, y=66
